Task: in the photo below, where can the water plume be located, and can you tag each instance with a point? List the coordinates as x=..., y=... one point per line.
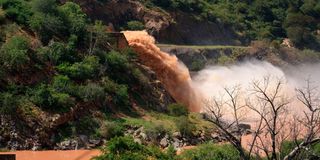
x=211, y=81
x=170, y=71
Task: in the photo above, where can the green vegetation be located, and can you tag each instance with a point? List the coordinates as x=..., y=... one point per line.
x=57, y=65
x=257, y=19
x=177, y=110
x=211, y=152
x=14, y=53
x=124, y=148
x=135, y=25
x=55, y=62
x=311, y=152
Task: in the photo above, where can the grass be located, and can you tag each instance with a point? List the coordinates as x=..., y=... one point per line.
x=202, y=46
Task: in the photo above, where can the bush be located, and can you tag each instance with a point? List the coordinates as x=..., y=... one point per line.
x=308, y=55
x=225, y=60
x=197, y=65
x=117, y=61
x=44, y=6
x=2, y=15
x=75, y=18
x=211, y=152
x=135, y=25
x=87, y=125
x=14, y=53
x=86, y=69
x=312, y=151
x=8, y=104
x=91, y=92
x=111, y=129
x=185, y=126
x=61, y=83
x=124, y=148
x=176, y=109
x=47, y=98
x=156, y=130
x=122, y=96
x=17, y=10
x=57, y=53
x=47, y=26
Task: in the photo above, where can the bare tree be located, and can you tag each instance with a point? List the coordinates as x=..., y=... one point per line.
x=274, y=125
x=310, y=121
x=270, y=105
x=215, y=109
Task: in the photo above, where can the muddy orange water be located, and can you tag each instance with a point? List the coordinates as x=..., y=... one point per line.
x=55, y=155
x=173, y=74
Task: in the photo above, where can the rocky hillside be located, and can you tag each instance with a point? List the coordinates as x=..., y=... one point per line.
x=60, y=83
x=167, y=26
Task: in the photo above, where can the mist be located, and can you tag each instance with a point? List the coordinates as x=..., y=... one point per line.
x=212, y=80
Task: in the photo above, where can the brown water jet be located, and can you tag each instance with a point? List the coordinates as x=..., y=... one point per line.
x=173, y=74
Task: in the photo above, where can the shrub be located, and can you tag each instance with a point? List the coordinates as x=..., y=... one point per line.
x=91, y=92
x=197, y=65
x=125, y=148
x=57, y=53
x=225, y=60
x=44, y=6
x=111, y=129
x=86, y=69
x=176, y=109
x=75, y=18
x=87, y=125
x=135, y=25
x=122, y=96
x=47, y=26
x=184, y=126
x=61, y=83
x=2, y=15
x=139, y=76
x=13, y=54
x=17, y=10
x=211, y=151
x=311, y=152
x=117, y=61
x=308, y=55
x=156, y=130
x=8, y=104
x=49, y=99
